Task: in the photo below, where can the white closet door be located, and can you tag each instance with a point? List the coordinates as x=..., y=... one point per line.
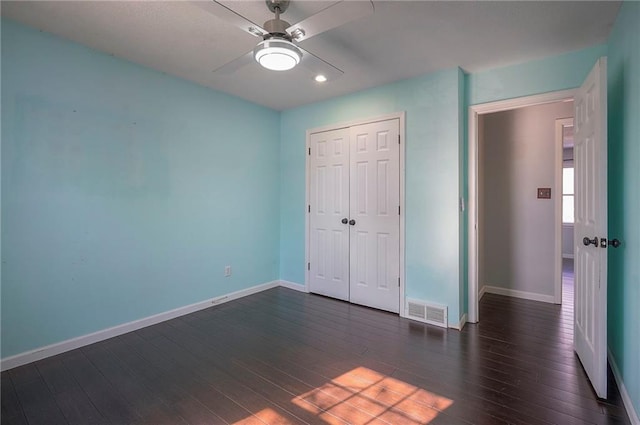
x=329, y=207
x=374, y=215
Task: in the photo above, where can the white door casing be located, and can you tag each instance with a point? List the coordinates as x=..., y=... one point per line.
x=359, y=262
x=375, y=212
x=590, y=158
x=329, y=205
x=560, y=124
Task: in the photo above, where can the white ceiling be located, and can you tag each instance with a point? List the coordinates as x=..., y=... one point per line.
x=401, y=39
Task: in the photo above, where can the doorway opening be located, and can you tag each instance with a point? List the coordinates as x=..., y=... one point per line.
x=546, y=193
x=564, y=138
x=519, y=200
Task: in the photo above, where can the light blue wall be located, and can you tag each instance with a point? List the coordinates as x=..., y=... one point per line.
x=125, y=192
x=624, y=196
x=541, y=76
x=432, y=105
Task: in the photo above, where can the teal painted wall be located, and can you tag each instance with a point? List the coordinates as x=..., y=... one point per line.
x=432, y=105
x=624, y=196
x=125, y=192
x=541, y=76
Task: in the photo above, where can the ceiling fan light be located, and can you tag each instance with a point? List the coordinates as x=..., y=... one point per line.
x=277, y=54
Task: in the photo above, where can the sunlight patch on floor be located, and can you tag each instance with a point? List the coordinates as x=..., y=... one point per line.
x=364, y=396
x=266, y=416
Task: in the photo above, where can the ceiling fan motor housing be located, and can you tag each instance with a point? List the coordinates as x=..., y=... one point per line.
x=277, y=27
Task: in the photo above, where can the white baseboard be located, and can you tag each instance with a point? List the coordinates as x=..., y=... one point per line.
x=569, y=256
x=81, y=341
x=519, y=294
x=463, y=321
x=293, y=285
x=626, y=399
x=483, y=291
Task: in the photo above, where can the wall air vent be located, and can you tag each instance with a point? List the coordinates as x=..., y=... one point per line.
x=434, y=314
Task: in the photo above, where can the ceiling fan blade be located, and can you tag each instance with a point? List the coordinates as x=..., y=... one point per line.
x=231, y=16
x=235, y=64
x=317, y=66
x=331, y=17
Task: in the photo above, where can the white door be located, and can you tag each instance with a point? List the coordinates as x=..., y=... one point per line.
x=354, y=217
x=375, y=215
x=329, y=213
x=590, y=156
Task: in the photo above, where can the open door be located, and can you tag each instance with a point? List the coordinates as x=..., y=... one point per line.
x=590, y=156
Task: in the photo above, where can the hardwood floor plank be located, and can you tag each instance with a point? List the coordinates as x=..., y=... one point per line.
x=11, y=411
x=102, y=394
x=70, y=397
x=38, y=404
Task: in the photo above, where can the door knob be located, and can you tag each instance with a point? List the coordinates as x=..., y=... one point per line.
x=586, y=241
x=614, y=243
x=345, y=221
x=352, y=222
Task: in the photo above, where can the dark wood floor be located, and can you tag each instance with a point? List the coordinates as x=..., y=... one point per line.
x=283, y=357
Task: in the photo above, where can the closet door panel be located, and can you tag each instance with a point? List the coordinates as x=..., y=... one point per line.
x=329, y=205
x=374, y=209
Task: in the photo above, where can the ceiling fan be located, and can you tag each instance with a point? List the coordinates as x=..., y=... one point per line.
x=278, y=50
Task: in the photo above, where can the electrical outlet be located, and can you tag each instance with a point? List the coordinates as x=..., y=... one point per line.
x=227, y=271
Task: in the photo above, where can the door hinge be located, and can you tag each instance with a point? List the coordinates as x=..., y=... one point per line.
x=398, y=282
x=308, y=266
x=398, y=209
x=309, y=151
x=309, y=209
x=398, y=139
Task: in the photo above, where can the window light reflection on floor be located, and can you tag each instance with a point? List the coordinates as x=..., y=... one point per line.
x=363, y=396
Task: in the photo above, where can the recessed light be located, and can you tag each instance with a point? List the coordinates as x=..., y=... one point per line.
x=320, y=78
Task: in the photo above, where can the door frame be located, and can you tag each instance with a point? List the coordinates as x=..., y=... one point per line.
x=472, y=146
x=397, y=115
x=559, y=148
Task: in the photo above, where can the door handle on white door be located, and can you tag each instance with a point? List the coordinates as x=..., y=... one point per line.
x=586, y=241
x=345, y=221
x=352, y=222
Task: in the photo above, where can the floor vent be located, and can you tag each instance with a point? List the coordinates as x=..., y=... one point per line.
x=433, y=314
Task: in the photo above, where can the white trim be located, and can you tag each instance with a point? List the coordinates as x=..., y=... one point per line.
x=519, y=294
x=626, y=399
x=353, y=123
x=520, y=102
x=472, y=144
x=81, y=341
x=483, y=291
x=292, y=285
x=307, y=202
x=557, y=198
x=463, y=321
x=399, y=116
x=568, y=256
